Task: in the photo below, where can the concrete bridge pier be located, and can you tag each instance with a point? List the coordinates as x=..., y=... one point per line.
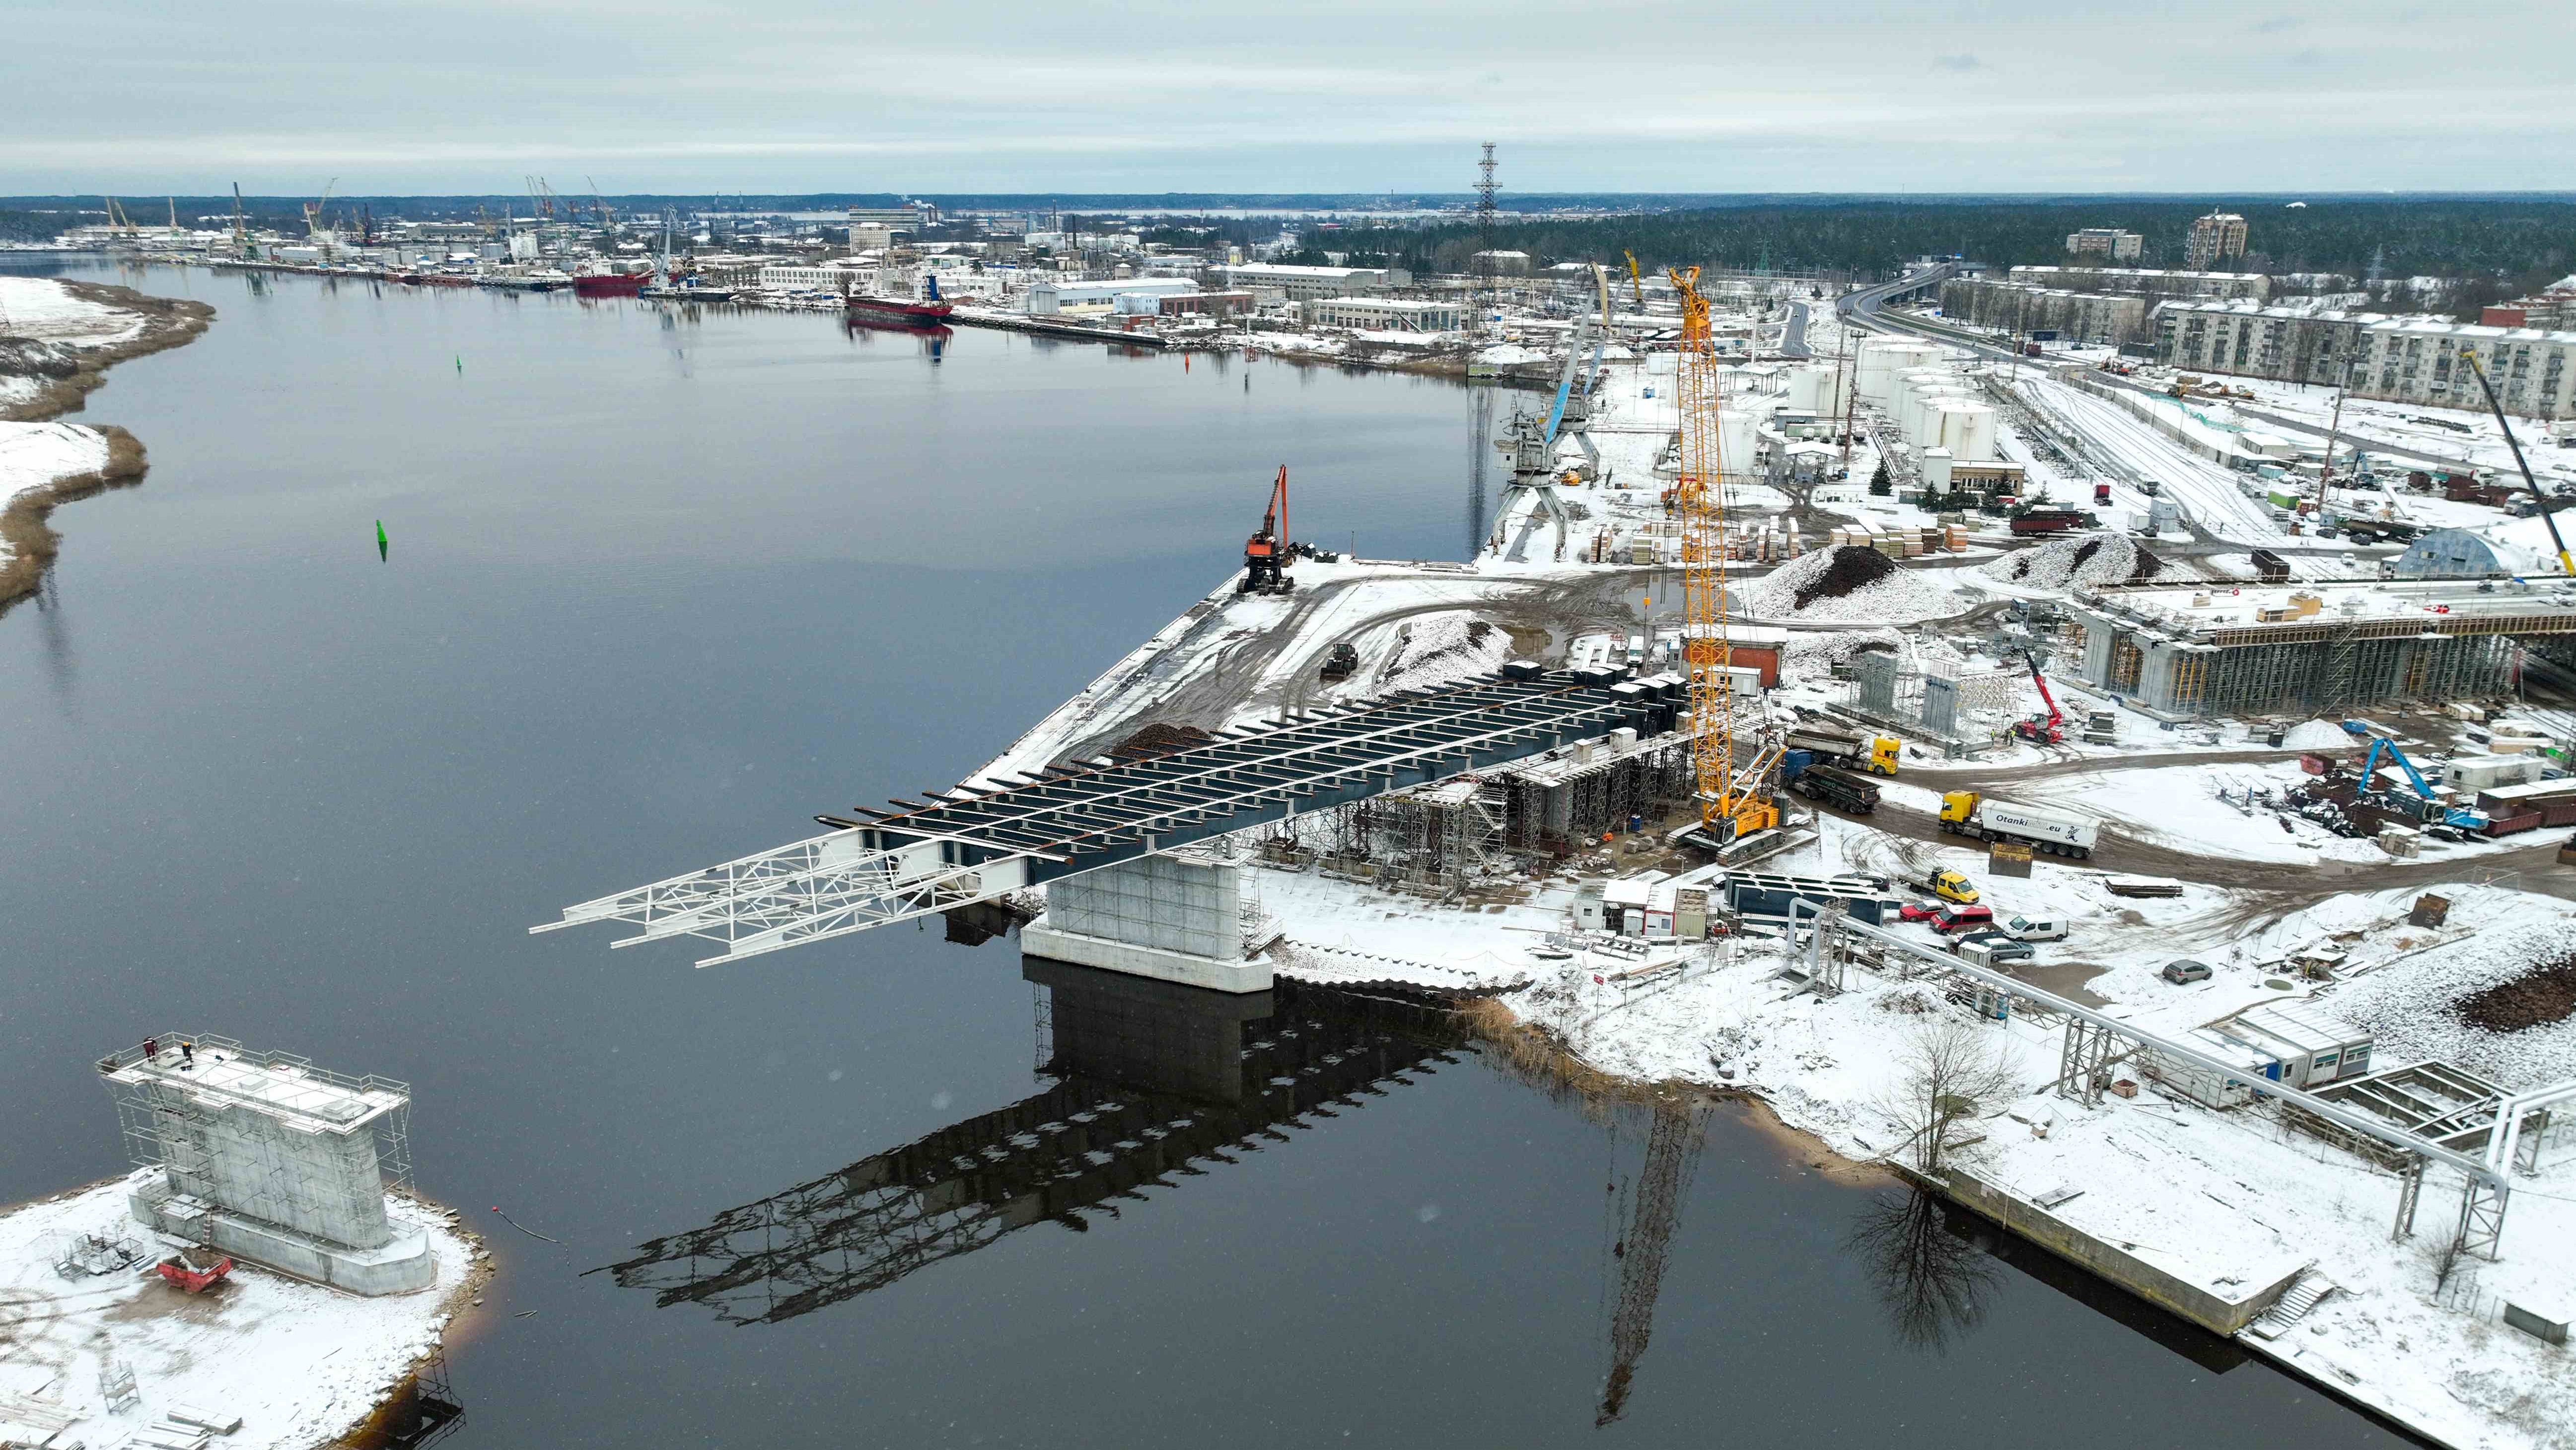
x=1183, y=918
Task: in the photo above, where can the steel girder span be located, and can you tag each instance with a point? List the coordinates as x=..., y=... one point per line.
x=976, y=845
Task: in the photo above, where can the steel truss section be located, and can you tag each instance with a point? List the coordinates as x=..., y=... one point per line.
x=974, y=846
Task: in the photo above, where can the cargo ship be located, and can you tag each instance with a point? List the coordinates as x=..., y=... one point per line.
x=605, y=283
x=931, y=311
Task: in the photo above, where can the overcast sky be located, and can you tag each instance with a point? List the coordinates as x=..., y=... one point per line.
x=865, y=95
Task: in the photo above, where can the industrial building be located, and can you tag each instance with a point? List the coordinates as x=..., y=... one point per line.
x=266, y=1157
x=2198, y=651
x=1386, y=314
x=2019, y=308
x=2149, y=282
x=1054, y=299
x=2401, y=359
x=2109, y=242
x=1304, y=284
x=2214, y=238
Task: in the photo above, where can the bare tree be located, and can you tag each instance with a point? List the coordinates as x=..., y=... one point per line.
x=2443, y=1256
x=1949, y=1071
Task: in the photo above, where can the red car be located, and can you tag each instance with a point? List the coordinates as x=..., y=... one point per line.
x=1953, y=917
x=1918, y=911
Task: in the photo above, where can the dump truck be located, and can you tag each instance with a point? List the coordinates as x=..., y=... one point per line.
x=1875, y=754
x=2057, y=833
x=1839, y=789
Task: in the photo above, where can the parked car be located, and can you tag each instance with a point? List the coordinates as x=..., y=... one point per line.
x=1987, y=949
x=2184, y=969
x=2035, y=928
x=1955, y=917
x=1918, y=911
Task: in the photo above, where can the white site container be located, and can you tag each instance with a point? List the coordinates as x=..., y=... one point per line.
x=2312, y=1047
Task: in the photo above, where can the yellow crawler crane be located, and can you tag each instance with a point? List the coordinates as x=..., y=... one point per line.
x=1733, y=803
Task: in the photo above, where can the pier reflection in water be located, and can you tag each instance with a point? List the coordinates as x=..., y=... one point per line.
x=1153, y=1083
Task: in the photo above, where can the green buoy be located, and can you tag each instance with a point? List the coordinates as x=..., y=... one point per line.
x=383, y=550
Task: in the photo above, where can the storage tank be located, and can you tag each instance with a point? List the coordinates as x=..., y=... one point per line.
x=1968, y=431
x=1805, y=386
x=1918, y=419
x=1737, y=432
x=1882, y=360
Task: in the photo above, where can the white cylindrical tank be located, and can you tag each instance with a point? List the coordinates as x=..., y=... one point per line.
x=1737, y=430
x=1883, y=359
x=1914, y=411
x=1967, y=430
x=1806, y=387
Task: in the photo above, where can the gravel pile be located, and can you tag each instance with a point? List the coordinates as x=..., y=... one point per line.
x=2086, y=562
x=2452, y=1003
x=1846, y=583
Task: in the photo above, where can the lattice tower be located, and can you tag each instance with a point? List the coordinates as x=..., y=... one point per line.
x=1699, y=499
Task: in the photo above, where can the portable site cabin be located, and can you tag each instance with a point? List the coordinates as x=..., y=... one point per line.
x=2208, y=1086
x=2311, y=1047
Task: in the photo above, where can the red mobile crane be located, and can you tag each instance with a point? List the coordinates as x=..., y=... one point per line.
x=2050, y=730
x=1266, y=554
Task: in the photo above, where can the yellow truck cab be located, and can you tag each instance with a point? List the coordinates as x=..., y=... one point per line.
x=1958, y=805
x=1951, y=886
x=1882, y=755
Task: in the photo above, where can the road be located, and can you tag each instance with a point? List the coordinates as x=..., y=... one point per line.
x=1793, y=336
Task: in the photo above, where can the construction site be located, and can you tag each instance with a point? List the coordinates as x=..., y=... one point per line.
x=1947, y=755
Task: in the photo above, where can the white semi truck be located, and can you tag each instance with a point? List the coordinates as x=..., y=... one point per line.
x=2055, y=833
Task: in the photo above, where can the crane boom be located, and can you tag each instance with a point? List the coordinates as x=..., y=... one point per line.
x=1731, y=803
x=2470, y=356
x=1636, y=287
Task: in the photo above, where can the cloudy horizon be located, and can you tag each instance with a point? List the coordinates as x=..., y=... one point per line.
x=650, y=96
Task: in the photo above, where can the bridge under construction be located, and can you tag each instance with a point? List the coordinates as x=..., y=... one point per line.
x=968, y=846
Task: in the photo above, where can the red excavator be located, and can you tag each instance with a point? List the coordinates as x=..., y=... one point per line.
x=1266, y=554
x=2049, y=729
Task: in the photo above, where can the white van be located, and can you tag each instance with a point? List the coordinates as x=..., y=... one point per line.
x=2034, y=928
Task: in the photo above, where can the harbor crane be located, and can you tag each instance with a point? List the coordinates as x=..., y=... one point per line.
x=1533, y=448
x=2048, y=729
x=313, y=219
x=1734, y=801
x=1266, y=554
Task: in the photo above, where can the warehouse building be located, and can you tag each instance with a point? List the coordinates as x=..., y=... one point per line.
x=1305, y=284
x=1385, y=314
x=2400, y=359
x=1057, y=299
x=2210, y=650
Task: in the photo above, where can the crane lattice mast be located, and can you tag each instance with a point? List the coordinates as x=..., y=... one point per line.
x=1699, y=500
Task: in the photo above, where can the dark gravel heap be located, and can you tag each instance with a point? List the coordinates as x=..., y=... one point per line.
x=1158, y=739
x=2534, y=999
x=1853, y=567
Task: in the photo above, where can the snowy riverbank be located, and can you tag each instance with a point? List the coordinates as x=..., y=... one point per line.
x=301, y=1365
x=57, y=339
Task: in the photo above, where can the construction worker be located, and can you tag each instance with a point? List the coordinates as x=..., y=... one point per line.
x=151, y=1048
x=187, y=1053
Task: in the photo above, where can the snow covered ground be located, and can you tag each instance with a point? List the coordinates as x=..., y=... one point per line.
x=33, y=456
x=2206, y=492
x=43, y=309
x=2228, y=1202
x=300, y=1364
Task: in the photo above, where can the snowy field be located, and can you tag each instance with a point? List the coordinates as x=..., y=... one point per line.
x=43, y=309
x=298, y=1363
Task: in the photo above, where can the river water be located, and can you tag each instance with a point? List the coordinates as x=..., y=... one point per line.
x=659, y=587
